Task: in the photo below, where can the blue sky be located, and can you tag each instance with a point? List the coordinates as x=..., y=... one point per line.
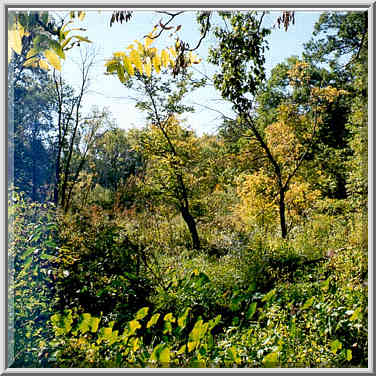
x=107, y=91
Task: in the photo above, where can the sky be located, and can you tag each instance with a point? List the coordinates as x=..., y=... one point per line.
x=107, y=91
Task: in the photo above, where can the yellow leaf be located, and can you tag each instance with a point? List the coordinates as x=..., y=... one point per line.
x=43, y=65
x=148, y=41
x=53, y=59
x=136, y=60
x=148, y=68
x=165, y=58
x=173, y=52
x=15, y=41
x=128, y=66
x=81, y=15
x=157, y=63
x=31, y=62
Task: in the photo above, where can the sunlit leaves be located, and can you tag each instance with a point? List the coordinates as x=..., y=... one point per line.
x=144, y=59
x=53, y=59
x=44, y=44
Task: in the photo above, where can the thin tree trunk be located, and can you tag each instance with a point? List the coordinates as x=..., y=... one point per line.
x=190, y=221
x=282, y=214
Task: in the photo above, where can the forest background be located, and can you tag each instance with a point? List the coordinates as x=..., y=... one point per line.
x=183, y=240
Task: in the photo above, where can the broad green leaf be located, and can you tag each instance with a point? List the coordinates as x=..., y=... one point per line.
x=251, y=310
x=142, y=313
x=192, y=345
x=348, y=355
x=106, y=332
x=133, y=326
x=308, y=303
x=153, y=320
x=271, y=360
x=53, y=59
x=84, y=323
x=164, y=356
x=94, y=324
x=335, y=346
x=156, y=352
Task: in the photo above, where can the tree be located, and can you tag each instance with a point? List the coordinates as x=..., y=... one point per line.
x=169, y=144
x=115, y=160
x=70, y=123
x=240, y=57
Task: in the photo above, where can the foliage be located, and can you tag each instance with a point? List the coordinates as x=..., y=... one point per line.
x=32, y=259
x=165, y=246
x=38, y=35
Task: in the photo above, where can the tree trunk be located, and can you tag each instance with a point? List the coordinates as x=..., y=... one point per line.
x=190, y=221
x=282, y=210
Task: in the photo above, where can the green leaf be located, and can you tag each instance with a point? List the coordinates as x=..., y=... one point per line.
x=348, y=355
x=94, y=324
x=271, y=360
x=169, y=317
x=84, y=323
x=57, y=48
x=251, y=310
x=234, y=355
x=325, y=284
x=28, y=263
x=120, y=72
x=164, y=356
x=335, y=346
x=269, y=295
x=357, y=314
x=192, y=345
x=83, y=39
x=133, y=326
x=308, y=303
x=182, y=320
x=28, y=252
x=142, y=313
x=153, y=320
x=167, y=327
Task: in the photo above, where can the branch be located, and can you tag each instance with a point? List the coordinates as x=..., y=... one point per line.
x=163, y=26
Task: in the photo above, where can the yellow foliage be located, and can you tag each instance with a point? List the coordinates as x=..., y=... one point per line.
x=259, y=200
x=53, y=59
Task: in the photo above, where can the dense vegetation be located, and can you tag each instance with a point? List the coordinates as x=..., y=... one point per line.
x=157, y=247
